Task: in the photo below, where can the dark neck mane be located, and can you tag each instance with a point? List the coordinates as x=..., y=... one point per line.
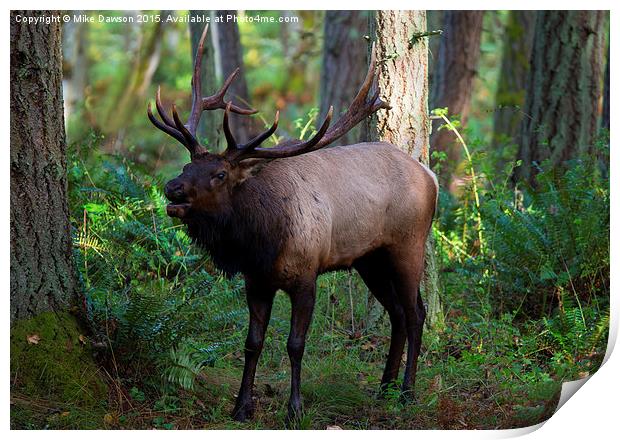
x=246, y=239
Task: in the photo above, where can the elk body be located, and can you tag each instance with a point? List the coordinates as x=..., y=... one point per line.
x=282, y=216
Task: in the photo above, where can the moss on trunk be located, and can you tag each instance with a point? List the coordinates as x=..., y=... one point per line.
x=55, y=382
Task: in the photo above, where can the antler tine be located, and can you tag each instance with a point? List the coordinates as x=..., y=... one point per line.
x=296, y=148
x=256, y=141
x=160, y=109
x=368, y=80
x=246, y=150
x=164, y=127
x=190, y=141
x=194, y=117
x=230, y=139
x=217, y=100
x=360, y=108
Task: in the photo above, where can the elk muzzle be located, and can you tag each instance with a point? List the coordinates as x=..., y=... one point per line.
x=175, y=192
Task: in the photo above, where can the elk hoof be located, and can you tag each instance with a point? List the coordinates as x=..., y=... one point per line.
x=407, y=396
x=293, y=417
x=387, y=389
x=243, y=412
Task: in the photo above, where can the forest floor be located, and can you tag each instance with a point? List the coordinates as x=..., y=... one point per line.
x=332, y=400
x=456, y=389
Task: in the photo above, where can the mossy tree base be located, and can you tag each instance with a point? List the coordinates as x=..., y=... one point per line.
x=54, y=380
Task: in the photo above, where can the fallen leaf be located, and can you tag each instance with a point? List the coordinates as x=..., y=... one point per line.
x=334, y=428
x=356, y=335
x=368, y=346
x=33, y=339
x=65, y=414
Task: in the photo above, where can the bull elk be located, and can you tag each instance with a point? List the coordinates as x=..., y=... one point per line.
x=282, y=216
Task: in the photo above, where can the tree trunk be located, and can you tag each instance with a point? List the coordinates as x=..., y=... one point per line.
x=564, y=89
x=434, y=21
x=510, y=95
x=230, y=54
x=403, y=82
x=605, y=115
x=210, y=121
x=453, y=78
x=74, y=64
x=344, y=64
x=43, y=274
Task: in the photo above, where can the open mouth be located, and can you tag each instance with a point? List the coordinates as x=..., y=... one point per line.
x=178, y=210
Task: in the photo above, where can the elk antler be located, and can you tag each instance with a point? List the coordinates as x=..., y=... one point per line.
x=186, y=133
x=249, y=150
x=360, y=108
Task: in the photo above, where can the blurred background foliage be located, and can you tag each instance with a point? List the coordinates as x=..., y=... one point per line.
x=282, y=64
x=524, y=271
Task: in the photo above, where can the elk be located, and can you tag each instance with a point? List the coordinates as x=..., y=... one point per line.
x=282, y=216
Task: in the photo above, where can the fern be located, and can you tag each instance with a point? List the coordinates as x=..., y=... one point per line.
x=183, y=367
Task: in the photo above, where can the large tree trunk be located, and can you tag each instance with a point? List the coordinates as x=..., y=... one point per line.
x=564, y=89
x=210, y=121
x=403, y=80
x=344, y=64
x=230, y=54
x=453, y=78
x=43, y=275
x=510, y=95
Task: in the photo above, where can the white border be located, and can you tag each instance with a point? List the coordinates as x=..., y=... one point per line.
x=591, y=413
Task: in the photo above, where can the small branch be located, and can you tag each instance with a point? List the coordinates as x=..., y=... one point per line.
x=473, y=177
x=418, y=35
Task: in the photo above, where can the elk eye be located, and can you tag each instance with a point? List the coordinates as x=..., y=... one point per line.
x=221, y=175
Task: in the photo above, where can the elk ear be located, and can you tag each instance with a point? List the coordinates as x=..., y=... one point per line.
x=249, y=168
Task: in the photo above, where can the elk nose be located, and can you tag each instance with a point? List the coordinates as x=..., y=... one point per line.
x=174, y=190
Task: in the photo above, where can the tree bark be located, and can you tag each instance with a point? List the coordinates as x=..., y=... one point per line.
x=453, y=78
x=510, y=95
x=210, y=124
x=564, y=89
x=230, y=53
x=344, y=64
x=43, y=275
x=403, y=81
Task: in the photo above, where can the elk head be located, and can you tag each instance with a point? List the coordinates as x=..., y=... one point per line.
x=206, y=184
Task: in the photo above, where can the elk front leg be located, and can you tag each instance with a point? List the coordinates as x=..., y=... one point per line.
x=259, y=301
x=302, y=305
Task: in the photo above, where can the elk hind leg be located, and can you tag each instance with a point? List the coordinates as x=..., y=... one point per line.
x=408, y=273
x=376, y=275
x=302, y=306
